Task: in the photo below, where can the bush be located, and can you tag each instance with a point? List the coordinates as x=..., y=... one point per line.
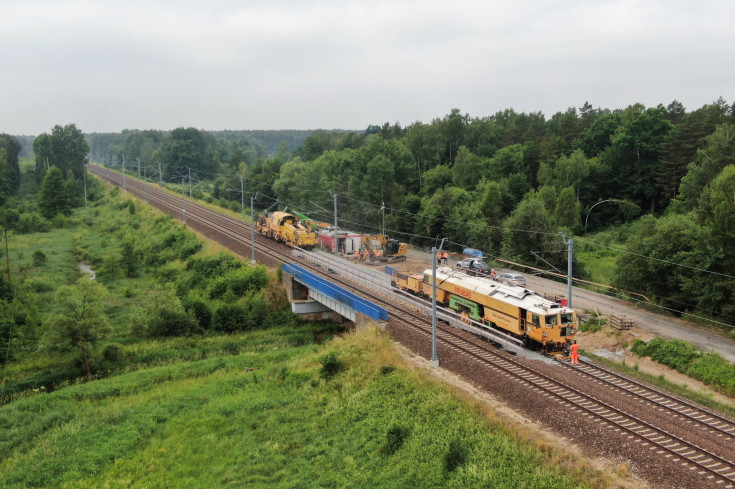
x=331, y=366
x=200, y=310
x=165, y=315
x=455, y=456
x=230, y=317
x=32, y=223
x=386, y=369
x=110, y=360
x=712, y=369
x=39, y=258
x=218, y=288
x=394, y=439
x=592, y=325
x=213, y=266
x=240, y=282
x=676, y=354
x=189, y=249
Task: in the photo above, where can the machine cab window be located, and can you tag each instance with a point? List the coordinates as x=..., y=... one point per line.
x=567, y=319
x=551, y=321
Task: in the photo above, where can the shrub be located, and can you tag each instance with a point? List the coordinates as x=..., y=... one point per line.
x=39, y=258
x=239, y=282
x=592, y=325
x=213, y=266
x=455, y=456
x=218, y=288
x=331, y=366
x=31, y=222
x=168, y=273
x=111, y=359
x=386, y=369
x=200, y=311
x=189, y=249
x=712, y=369
x=676, y=354
x=166, y=316
x=247, y=279
x=394, y=439
x=230, y=317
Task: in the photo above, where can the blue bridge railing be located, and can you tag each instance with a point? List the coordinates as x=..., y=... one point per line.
x=337, y=293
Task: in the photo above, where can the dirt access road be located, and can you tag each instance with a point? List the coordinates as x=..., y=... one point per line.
x=655, y=324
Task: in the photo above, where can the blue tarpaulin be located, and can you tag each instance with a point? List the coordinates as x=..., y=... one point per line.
x=471, y=252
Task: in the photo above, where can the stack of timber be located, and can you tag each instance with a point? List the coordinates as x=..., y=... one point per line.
x=620, y=322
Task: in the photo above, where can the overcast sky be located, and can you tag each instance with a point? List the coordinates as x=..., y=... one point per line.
x=270, y=64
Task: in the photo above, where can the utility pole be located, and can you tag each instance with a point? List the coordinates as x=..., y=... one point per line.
x=183, y=200
x=7, y=256
x=138, y=166
x=145, y=178
x=160, y=175
x=382, y=208
x=434, y=359
x=124, y=187
x=252, y=228
x=336, y=239
x=570, y=258
x=84, y=178
x=242, y=200
x=189, y=182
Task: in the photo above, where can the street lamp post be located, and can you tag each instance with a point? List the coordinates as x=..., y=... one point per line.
x=588, y=212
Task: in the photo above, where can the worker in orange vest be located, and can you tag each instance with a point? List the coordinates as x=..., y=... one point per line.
x=439, y=257
x=575, y=352
x=356, y=254
x=446, y=258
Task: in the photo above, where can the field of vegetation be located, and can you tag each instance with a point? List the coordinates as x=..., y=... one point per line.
x=192, y=373
x=272, y=413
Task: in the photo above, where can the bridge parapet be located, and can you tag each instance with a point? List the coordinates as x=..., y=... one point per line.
x=304, y=289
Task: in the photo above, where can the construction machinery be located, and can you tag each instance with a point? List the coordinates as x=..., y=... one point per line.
x=284, y=227
x=391, y=250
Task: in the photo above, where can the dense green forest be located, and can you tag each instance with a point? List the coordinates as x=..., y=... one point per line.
x=655, y=182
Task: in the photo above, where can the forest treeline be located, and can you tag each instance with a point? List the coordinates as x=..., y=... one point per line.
x=660, y=177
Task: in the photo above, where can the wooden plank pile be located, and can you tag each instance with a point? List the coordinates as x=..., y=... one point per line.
x=620, y=322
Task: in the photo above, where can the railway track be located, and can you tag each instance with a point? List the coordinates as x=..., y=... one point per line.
x=713, y=461
x=705, y=418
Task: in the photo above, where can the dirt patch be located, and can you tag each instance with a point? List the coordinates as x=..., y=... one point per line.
x=615, y=345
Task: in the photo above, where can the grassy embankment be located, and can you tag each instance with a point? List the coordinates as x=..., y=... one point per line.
x=271, y=407
x=269, y=415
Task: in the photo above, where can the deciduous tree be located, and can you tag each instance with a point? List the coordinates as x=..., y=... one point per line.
x=79, y=321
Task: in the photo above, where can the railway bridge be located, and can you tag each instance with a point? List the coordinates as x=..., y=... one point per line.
x=316, y=298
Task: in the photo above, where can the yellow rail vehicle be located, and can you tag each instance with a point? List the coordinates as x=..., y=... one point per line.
x=539, y=322
x=286, y=228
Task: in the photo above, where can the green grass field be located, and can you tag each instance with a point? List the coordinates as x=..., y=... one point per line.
x=283, y=406
x=265, y=417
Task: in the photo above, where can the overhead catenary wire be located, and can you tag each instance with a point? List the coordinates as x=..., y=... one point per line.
x=394, y=232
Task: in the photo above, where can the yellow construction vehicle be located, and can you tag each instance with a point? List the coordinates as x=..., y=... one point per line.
x=392, y=249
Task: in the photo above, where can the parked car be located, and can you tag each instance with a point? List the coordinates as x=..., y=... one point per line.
x=474, y=266
x=513, y=279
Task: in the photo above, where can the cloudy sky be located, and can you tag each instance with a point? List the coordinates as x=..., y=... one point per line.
x=287, y=64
